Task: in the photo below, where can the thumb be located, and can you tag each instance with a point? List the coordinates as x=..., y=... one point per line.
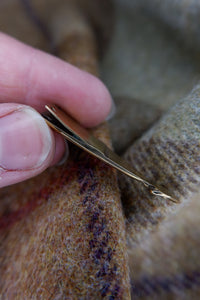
x=27, y=145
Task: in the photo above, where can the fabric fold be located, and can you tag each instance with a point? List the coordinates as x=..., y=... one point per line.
x=63, y=232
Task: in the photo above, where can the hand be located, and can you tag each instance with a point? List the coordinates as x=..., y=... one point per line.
x=29, y=79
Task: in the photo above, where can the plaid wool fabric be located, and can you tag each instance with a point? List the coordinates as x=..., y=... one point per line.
x=80, y=230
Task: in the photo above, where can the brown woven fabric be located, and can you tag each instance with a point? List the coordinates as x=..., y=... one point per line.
x=63, y=235
x=75, y=233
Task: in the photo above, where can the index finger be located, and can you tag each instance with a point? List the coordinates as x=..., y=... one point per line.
x=30, y=76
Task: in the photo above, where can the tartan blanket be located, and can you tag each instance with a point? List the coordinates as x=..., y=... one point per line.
x=80, y=230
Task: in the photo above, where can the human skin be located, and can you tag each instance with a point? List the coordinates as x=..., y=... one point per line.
x=29, y=79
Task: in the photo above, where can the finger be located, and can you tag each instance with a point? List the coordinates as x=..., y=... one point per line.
x=61, y=150
x=27, y=145
x=35, y=78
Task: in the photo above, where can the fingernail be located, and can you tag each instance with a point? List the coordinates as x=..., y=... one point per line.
x=25, y=140
x=112, y=111
x=65, y=156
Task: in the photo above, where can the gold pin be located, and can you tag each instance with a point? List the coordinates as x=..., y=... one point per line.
x=81, y=137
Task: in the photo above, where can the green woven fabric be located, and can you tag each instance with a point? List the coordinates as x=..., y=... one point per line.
x=152, y=69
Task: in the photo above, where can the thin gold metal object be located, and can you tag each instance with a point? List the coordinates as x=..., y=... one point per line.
x=75, y=133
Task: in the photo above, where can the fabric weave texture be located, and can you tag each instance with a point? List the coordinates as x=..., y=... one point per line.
x=81, y=230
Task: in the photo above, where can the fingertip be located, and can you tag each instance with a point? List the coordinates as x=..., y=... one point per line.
x=112, y=111
x=91, y=102
x=61, y=150
x=27, y=145
x=101, y=104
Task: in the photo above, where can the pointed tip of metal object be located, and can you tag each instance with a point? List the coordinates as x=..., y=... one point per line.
x=74, y=132
x=153, y=190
